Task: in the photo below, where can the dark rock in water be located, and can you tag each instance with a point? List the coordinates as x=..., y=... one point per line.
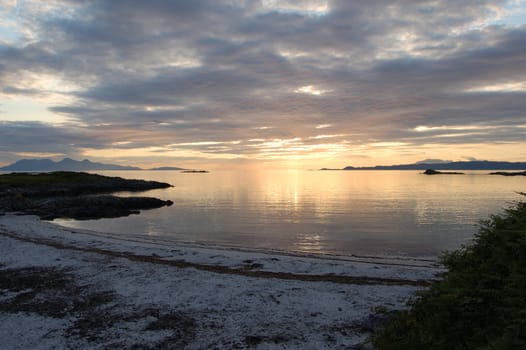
x=84, y=207
x=431, y=172
x=435, y=172
x=94, y=207
x=506, y=173
x=74, y=195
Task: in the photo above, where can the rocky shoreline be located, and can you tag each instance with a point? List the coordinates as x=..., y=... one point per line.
x=74, y=195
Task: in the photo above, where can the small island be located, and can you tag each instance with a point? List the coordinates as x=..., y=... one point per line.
x=507, y=173
x=447, y=165
x=436, y=172
x=195, y=171
x=74, y=195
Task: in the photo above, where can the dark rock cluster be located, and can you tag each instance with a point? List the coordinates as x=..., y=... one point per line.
x=72, y=195
x=84, y=207
x=507, y=173
x=436, y=172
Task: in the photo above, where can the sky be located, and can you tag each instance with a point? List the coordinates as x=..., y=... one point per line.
x=286, y=84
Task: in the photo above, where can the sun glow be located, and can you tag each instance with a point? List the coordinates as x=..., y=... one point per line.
x=423, y=128
x=502, y=87
x=308, y=7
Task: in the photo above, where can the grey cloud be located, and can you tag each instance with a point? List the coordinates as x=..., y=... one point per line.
x=12, y=90
x=44, y=138
x=216, y=71
x=169, y=87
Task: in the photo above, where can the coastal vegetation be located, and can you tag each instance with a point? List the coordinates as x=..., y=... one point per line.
x=76, y=195
x=481, y=301
x=70, y=183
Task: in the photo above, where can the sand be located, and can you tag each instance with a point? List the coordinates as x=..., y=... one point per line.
x=62, y=288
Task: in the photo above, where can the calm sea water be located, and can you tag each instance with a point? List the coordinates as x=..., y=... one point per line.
x=400, y=213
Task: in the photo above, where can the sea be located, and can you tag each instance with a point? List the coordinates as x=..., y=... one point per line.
x=349, y=213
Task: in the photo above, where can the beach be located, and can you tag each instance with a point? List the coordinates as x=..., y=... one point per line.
x=63, y=288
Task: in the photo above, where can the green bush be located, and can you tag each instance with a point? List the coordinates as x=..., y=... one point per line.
x=481, y=301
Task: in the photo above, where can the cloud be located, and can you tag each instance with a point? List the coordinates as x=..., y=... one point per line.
x=132, y=75
x=23, y=138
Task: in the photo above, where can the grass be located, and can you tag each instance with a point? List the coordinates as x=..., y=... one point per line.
x=70, y=183
x=62, y=177
x=481, y=301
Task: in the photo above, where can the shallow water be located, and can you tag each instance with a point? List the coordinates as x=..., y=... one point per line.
x=401, y=213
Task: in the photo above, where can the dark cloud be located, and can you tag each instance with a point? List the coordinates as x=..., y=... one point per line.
x=157, y=73
x=27, y=137
x=11, y=90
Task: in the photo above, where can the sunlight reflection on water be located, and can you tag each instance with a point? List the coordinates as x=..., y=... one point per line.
x=335, y=212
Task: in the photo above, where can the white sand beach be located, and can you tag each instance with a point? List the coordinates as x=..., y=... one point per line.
x=63, y=289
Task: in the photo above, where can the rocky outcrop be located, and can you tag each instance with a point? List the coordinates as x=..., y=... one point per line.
x=67, y=183
x=435, y=172
x=91, y=207
x=73, y=195
x=506, y=173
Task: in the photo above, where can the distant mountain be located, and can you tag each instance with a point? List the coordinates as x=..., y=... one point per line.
x=433, y=161
x=68, y=164
x=64, y=164
x=467, y=165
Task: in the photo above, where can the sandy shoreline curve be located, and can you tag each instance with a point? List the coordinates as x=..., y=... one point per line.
x=139, y=293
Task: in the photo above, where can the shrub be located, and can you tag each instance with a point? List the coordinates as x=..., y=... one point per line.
x=481, y=301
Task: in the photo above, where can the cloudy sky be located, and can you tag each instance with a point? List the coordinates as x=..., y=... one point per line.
x=300, y=84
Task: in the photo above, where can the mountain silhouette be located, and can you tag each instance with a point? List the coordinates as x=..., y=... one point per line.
x=63, y=165
x=463, y=165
